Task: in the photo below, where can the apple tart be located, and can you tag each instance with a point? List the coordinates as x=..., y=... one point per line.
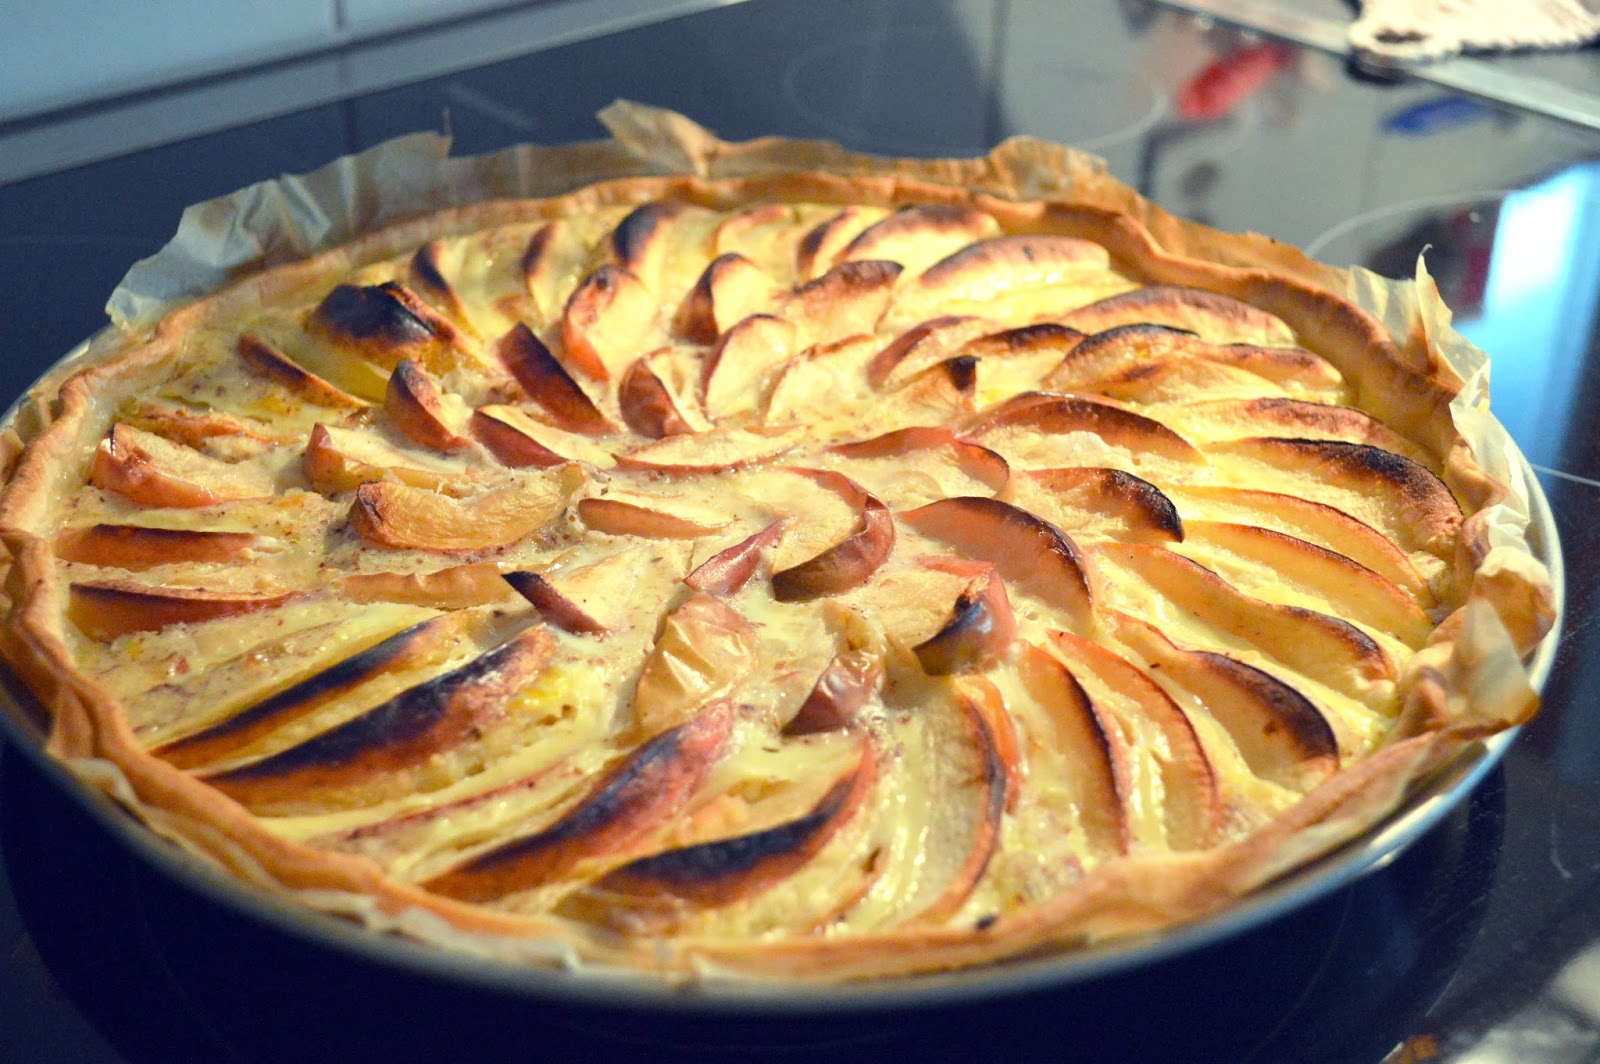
x=800, y=574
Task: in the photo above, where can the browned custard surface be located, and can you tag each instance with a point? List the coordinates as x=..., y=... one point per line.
x=798, y=576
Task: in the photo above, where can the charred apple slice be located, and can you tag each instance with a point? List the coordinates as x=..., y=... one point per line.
x=1094, y=501
x=1030, y=553
x=1400, y=498
x=547, y=382
x=139, y=547
x=725, y=572
x=848, y=300
x=1222, y=419
x=723, y=871
x=606, y=320
x=1280, y=733
x=1170, y=782
x=1002, y=263
x=1218, y=318
x=106, y=609
x=731, y=289
x=401, y=517
x=737, y=368
x=386, y=322
x=386, y=751
x=416, y=405
x=451, y=588
x=415, y=645
x=848, y=563
x=703, y=649
x=1116, y=351
x=268, y=362
x=923, y=345
x=1325, y=648
x=427, y=274
x=151, y=471
x=654, y=238
x=638, y=795
x=981, y=627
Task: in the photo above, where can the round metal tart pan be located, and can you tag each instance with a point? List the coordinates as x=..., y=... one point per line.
x=272, y=981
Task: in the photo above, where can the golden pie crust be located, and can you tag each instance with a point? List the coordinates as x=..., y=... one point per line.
x=805, y=566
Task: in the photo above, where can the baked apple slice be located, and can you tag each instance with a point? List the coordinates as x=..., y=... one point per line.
x=912, y=466
x=338, y=459
x=821, y=247
x=401, y=517
x=106, y=609
x=401, y=746
x=622, y=513
x=146, y=469
x=1218, y=318
x=1030, y=553
x=848, y=563
x=138, y=547
x=606, y=320
x=594, y=598
x=730, y=289
x=1058, y=414
x=722, y=871
x=1279, y=416
x=851, y=680
x=417, y=406
x=653, y=238
x=1097, y=502
x=821, y=383
x=923, y=345
x=916, y=237
x=718, y=450
x=414, y=647
x=731, y=568
x=1281, y=734
x=648, y=405
x=428, y=278
x=268, y=362
x=453, y=587
x=981, y=627
x=637, y=796
x=703, y=649
x=519, y=441
x=738, y=367
x=1170, y=786
x=384, y=323
x=546, y=381
x=848, y=300
x=1006, y=263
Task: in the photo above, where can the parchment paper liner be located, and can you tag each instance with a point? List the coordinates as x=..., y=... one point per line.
x=1468, y=682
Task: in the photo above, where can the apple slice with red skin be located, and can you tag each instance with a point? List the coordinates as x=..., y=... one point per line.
x=381, y=753
x=146, y=469
x=402, y=517
x=973, y=460
x=725, y=572
x=1327, y=649
x=1281, y=734
x=555, y=607
x=850, y=562
x=730, y=289
x=1059, y=413
x=723, y=871
x=106, y=609
x=605, y=320
x=924, y=344
x=990, y=266
x=454, y=587
x=504, y=430
x=850, y=681
x=138, y=547
x=941, y=393
x=1117, y=350
x=1029, y=552
x=982, y=627
x=546, y=381
x=703, y=649
x=649, y=517
x=647, y=405
x=594, y=598
x=267, y=361
x=414, y=402
x=737, y=367
x=405, y=649
x=1110, y=501
x=1279, y=416
x=1045, y=337
x=641, y=793
x=1218, y=318
x=329, y=468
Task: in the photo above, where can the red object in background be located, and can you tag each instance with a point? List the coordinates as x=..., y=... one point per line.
x=1228, y=81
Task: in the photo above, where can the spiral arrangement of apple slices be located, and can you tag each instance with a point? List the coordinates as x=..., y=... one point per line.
x=789, y=573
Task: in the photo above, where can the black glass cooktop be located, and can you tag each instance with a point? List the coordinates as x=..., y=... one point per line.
x=1481, y=943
